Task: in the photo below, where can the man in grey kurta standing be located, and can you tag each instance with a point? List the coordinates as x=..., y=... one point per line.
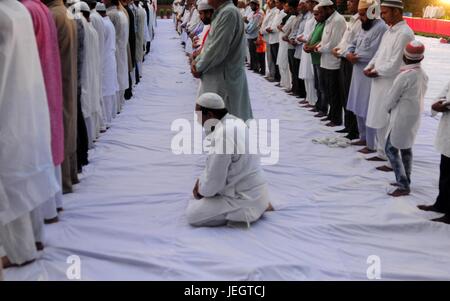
x=220, y=66
x=359, y=53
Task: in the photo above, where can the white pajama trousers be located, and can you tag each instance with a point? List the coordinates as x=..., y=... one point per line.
x=286, y=77
x=110, y=108
x=381, y=142
x=90, y=126
x=311, y=93
x=217, y=211
x=18, y=238
x=120, y=99
x=366, y=133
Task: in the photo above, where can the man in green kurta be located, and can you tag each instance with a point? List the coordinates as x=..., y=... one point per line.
x=221, y=63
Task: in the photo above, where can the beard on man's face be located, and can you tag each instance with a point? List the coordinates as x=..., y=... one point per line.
x=367, y=25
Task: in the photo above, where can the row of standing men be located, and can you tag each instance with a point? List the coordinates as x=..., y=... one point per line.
x=68, y=68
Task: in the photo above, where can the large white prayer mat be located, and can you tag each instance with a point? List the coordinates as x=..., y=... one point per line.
x=126, y=219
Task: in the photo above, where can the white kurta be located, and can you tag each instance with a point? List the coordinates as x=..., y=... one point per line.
x=353, y=29
x=146, y=30
x=140, y=38
x=178, y=19
x=97, y=23
x=195, y=19
x=232, y=184
x=282, y=58
x=110, y=85
x=306, y=70
x=248, y=11
x=90, y=85
x=387, y=62
x=277, y=19
x=335, y=27
x=4, y=203
x=151, y=22
x=443, y=133
x=268, y=18
x=27, y=171
x=405, y=102
x=121, y=25
x=185, y=19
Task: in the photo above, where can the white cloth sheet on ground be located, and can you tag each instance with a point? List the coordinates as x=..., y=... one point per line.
x=333, y=141
x=126, y=220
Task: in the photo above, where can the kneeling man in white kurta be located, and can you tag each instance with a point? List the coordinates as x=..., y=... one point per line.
x=232, y=187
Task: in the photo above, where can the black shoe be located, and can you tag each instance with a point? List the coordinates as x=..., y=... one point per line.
x=343, y=131
x=128, y=94
x=352, y=136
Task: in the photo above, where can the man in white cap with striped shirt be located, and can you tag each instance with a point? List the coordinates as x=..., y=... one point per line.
x=383, y=69
x=232, y=187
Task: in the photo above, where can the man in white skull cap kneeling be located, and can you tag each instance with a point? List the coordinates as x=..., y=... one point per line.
x=232, y=187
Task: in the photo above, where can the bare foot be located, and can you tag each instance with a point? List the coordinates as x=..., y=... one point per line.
x=445, y=219
x=376, y=159
x=5, y=262
x=331, y=124
x=385, y=168
x=60, y=209
x=430, y=208
x=8, y=264
x=359, y=143
x=366, y=151
x=400, y=192
x=270, y=208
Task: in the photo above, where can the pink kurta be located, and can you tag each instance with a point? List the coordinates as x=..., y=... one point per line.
x=46, y=38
